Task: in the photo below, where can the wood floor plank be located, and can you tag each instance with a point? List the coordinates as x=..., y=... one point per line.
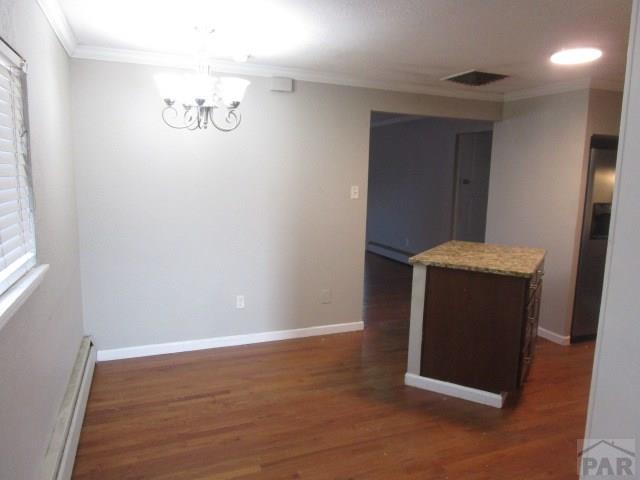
x=331, y=407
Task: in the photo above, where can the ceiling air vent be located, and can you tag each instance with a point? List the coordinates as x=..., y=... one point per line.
x=475, y=78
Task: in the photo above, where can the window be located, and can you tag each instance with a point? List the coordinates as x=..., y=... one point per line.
x=17, y=236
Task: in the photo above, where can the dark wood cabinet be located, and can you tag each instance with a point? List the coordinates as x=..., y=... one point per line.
x=479, y=329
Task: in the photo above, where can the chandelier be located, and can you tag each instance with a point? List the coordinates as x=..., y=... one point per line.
x=196, y=100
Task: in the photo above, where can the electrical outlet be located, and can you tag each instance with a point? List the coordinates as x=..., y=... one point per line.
x=355, y=192
x=325, y=296
x=239, y=301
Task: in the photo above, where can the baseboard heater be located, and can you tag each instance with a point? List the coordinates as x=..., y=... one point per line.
x=389, y=251
x=63, y=445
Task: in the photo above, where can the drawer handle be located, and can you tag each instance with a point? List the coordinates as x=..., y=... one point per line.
x=536, y=280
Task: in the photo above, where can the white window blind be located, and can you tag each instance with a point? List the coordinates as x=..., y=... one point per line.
x=17, y=236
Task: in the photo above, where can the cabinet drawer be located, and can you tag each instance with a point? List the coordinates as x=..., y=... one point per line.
x=531, y=317
x=529, y=338
x=528, y=348
x=535, y=283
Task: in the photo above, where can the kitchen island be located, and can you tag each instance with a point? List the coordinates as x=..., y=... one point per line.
x=474, y=319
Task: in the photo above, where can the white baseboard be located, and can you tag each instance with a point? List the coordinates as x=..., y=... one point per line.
x=453, y=390
x=554, y=337
x=217, y=342
x=61, y=454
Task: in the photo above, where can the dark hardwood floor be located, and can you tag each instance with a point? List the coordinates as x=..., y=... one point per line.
x=331, y=407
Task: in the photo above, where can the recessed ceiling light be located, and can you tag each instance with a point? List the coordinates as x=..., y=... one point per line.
x=576, y=56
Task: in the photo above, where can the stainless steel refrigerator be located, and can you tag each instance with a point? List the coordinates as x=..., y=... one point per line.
x=595, y=234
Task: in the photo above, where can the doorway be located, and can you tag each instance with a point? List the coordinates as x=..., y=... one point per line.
x=594, y=236
x=428, y=183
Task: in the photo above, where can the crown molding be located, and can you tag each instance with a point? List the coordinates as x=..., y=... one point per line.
x=552, y=89
x=564, y=87
x=58, y=21
x=140, y=57
x=252, y=69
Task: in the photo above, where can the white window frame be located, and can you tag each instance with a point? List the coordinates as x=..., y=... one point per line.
x=23, y=275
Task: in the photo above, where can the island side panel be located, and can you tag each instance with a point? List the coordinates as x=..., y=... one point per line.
x=472, y=328
x=418, y=288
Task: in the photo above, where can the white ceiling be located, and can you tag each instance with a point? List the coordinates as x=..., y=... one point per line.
x=408, y=43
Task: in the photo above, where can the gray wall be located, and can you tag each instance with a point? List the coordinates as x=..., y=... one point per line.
x=605, y=108
x=411, y=175
x=39, y=344
x=174, y=224
x=615, y=388
x=538, y=176
x=536, y=190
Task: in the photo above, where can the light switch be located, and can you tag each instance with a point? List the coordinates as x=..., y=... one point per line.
x=355, y=192
x=325, y=296
x=239, y=301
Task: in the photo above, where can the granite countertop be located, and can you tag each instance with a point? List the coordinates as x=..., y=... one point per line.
x=483, y=257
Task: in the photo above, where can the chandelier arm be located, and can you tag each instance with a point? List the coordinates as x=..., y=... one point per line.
x=191, y=118
x=174, y=113
x=232, y=118
x=188, y=117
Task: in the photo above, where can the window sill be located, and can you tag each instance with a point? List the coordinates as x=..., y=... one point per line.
x=12, y=299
